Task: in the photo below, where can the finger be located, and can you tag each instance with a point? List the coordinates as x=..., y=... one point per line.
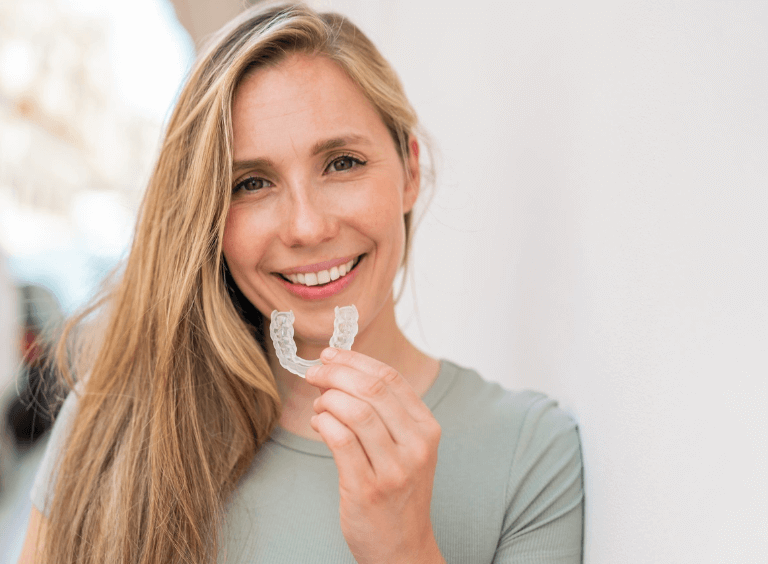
x=351, y=461
x=381, y=372
x=398, y=421
x=364, y=421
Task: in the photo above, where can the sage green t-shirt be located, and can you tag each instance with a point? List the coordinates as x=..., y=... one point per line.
x=507, y=489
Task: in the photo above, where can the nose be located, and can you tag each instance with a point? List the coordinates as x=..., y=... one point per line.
x=309, y=220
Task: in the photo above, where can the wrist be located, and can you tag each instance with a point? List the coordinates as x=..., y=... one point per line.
x=430, y=554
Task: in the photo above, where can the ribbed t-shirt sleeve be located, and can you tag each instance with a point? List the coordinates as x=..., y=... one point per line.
x=43, y=486
x=543, y=523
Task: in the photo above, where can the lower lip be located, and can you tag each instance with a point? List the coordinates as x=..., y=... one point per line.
x=325, y=291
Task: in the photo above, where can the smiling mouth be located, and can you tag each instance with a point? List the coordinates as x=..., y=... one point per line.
x=322, y=277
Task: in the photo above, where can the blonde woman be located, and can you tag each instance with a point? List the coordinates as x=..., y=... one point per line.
x=286, y=181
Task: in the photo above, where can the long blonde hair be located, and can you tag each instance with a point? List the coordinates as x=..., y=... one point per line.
x=179, y=395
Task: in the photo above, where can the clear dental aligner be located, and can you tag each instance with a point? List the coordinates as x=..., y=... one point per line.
x=281, y=331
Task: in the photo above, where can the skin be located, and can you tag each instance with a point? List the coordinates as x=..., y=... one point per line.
x=35, y=528
x=303, y=208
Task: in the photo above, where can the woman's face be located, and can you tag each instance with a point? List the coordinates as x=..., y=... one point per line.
x=318, y=184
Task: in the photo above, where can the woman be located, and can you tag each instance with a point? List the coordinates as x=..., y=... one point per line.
x=286, y=181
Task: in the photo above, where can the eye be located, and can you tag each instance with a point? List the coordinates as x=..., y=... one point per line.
x=344, y=163
x=251, y=184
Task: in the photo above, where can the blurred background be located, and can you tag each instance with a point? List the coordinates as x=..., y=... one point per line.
x=598, y=230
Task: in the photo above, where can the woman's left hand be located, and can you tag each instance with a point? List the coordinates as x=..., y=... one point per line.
x=384, y=442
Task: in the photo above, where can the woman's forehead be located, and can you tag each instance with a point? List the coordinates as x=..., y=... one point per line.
x=302, y=102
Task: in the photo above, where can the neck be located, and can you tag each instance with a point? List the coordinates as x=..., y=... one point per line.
x=380, y=339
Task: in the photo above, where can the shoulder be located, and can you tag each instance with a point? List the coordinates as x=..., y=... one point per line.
x=66, y=415
x=472, y=402
x=43, y=485
x=511, y=460
x=523, y=435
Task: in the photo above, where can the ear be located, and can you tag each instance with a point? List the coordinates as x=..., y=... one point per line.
x=413, y=182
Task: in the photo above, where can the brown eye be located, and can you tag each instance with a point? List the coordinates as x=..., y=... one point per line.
x=345, y=163
x=252, y=184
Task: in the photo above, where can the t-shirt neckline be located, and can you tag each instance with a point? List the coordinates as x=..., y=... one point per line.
x=445, y=378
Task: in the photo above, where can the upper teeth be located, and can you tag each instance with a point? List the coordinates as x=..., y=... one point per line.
x=321, y=277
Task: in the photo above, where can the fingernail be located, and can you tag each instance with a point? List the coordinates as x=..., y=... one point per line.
x=329, y=353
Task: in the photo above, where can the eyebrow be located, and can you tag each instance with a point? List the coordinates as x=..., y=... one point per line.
x=317, y=148
x=252, y=164
x=337, y=142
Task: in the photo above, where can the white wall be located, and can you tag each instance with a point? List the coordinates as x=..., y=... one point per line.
x=599, y=233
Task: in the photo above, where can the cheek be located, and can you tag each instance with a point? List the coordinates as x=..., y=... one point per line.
x=381, y=210
x=230, y=238
x=239, y=242
x=382, y=220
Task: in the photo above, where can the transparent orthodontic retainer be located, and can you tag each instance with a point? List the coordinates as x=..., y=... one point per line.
x=281, y=331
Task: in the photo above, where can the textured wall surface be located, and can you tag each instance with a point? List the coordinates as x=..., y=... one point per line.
x=599, y=233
